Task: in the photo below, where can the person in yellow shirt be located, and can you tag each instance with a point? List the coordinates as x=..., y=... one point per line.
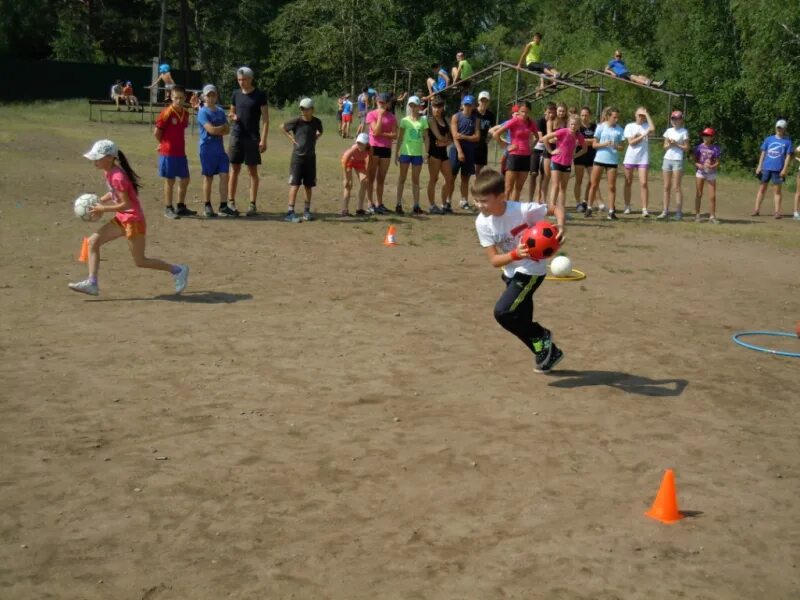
x=532, y=57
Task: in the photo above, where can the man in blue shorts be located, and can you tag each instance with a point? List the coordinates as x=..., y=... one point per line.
x=213, y=125
x=616, y=68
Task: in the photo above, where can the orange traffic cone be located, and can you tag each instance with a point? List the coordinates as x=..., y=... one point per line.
x=391, y=236
x=665, y=506
x=84, y=255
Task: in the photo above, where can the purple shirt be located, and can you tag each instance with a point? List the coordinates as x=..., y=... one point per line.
x=703, y=153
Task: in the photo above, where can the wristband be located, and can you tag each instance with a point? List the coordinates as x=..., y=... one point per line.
x=514, y=254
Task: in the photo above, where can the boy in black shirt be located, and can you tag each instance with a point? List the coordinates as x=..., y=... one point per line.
x=303, y=131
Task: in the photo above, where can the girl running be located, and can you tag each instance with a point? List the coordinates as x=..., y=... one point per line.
x=585, y=161
x=412, y=147
x=354, y=160
x=608, y=138
x=676, y=144
x=439, y=139
x=706, y=161
x=382, y=126
x=637, y=157
x=518, y=164
x=566, y=140
x=128, y=221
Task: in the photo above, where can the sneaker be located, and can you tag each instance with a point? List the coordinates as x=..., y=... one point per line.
x=291, y=217
x=184, y=211
x=398, y=210
x=381, y=210
x=658, y=84
x=555, y=357
x=447, y=209
x=181, y=278
x=543, y=355
x=170, y=213
x=778, y=215
x=345, y=213
x=796, y=216
x=227, y=211
x=663, y=216
x=698, y=218
x=371, y=209
x=715, y=221
x=588, y=212
x=612, y=216
x=361, y=212
x=307, y=216
x=645, y=214
x=679, y=216
x=602, y=207
x=580, y=207
x=627, y=210
x=464, y=205
x=755, y=214
x=208, y=211
x=435, y=210
x=252, y=211
x=85, y=287
x=417, y=211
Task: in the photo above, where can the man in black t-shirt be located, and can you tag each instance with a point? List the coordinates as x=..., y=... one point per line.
x=303, y=132
x=249, y=117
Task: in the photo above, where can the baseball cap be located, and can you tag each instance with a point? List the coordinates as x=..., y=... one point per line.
x=483, y=95
x=163, y=68
x=208, y=88
x=709, y=131
x=515, y=108
x=245, y=72
x=306, y=103
x=676, y=114
x=468, y=100
x=413, y=100
x=363, y=138
x=102, y=148
x=383, y=97
x=781, y=123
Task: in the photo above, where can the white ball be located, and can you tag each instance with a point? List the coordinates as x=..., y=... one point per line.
x=83, y=204
x=561, y=266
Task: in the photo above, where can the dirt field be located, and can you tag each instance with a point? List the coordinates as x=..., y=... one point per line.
x=322, y=417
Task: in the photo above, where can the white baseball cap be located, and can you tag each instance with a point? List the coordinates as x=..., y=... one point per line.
x=101, y=149
x=363, y=138
x=483, y=95
x=781, y=123
x=414, y=100
x=208, y=88
x=306, y=103
x=245, y=72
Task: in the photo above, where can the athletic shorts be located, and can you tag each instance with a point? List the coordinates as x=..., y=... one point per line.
x=710, y=176
x=585, y=160
x=672, y=165
x=244, y=150
x=626, y=76
x=415, y=161
x=438, y=152
x=605, y=166
x=360, y=167
x=171, y=167
x=518, y=163
x=554, y=166
x=213, y=162
x=773, y=177
x=538, y=67
x=131, y=229
x=482, y=154
x=381, y=152
x=537, y=164
x=636, y=166
x=303, y=171
x=347, y=118
x=465, y=167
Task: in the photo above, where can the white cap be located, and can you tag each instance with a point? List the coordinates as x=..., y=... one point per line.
x=484, y=94
x=102, y=148
x=245, y=72
x=306, y=103
x=208, y=88
x=413, y=100
x=363, y=138
x=781, y=123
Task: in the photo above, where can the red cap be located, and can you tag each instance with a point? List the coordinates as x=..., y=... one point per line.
x=709, y=131
x=515, y=108
x=676, y=114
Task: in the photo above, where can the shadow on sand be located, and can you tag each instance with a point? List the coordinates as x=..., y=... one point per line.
x=631, y=384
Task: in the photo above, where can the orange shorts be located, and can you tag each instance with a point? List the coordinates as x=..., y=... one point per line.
x=131, y=229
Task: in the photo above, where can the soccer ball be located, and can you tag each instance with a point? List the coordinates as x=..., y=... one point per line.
x=83, y=204
x=561, y=266
x=541, y=240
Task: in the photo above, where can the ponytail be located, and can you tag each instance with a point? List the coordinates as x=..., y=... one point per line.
x=126, y=166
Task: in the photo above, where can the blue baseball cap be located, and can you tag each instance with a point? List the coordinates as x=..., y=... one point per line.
x=163, y=68
x=468, y=100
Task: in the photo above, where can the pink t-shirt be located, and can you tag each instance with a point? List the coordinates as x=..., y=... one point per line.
x=118, y=181
x=521, y=130
x=388, y=125
x=566, y=142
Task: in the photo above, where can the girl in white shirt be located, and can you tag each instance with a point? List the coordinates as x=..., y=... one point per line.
x=676, y=143
x=637, y=157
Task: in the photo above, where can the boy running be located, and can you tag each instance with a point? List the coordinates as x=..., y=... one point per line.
x=773, y=164
x=213, y=161
x=303, y=131
x=170, y=131
x=499, y=228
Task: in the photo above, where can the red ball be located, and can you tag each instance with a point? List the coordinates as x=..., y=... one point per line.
x=541, y=240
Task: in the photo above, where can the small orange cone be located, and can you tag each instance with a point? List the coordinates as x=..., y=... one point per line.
x=84, y=255
x=391, y=236
x=665, y=506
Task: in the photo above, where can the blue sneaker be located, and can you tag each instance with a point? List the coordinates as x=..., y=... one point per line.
x=291, y=217
x=181, y=278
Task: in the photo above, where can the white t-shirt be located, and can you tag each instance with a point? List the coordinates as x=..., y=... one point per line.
x=679, y=135
x=640, y=153
x=504, y=232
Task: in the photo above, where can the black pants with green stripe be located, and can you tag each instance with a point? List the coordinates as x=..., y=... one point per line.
x=514, y=309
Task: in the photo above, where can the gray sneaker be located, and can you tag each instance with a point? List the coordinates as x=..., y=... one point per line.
x=435, y=210
x=181, y=278
x=555, y=357
x=307, y=216
x=679, y=216
x=170, y=213
x=85, y=287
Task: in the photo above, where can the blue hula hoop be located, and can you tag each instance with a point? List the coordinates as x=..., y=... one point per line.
x=760, y=348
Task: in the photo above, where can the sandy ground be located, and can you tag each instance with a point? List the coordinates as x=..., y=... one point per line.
x=322, y=417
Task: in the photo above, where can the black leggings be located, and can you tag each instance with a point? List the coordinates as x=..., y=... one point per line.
x=514, y=308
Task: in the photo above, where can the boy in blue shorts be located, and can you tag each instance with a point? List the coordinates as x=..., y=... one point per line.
x=213, y=124
x=170, y=132
x=500, y=225
x=773, y=164
x=466, y=132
